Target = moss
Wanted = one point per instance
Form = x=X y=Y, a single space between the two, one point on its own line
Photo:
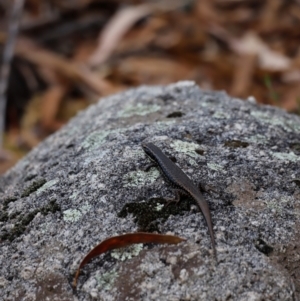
x=52 y=207
x=14 y=215
x=3 y=216
x=20 y=226
x=33 y=187
x=30 y=177
x=8 y=200
x=147 y=215
x=23 y=221
x=29 y=217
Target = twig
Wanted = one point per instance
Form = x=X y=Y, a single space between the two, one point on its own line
x=8 y=54
x=80 y=74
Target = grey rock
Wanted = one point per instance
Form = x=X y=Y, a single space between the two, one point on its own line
x=86 y=183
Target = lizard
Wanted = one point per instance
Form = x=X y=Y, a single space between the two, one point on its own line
x=181 y=182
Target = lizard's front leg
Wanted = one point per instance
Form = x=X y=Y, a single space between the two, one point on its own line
x=176 y=198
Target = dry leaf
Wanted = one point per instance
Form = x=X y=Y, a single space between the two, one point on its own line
x=121 y=241
x=267 y=58
x=121 y=22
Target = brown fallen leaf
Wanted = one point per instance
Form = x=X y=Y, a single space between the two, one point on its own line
x=121 y=241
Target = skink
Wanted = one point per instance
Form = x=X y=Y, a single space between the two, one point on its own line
x=180 y=181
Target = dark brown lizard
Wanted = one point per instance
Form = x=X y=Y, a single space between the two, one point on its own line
x=181 y=182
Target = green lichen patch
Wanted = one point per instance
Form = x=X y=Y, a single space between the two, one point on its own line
x=258 y=139
x=72 y=215
x=34 y=186
x=207 y=104
x=236 y=143
x=159 y=207
x=286 y=156
x=135 y=154
x=274 y=119
x=188 y=148
x=147 y=215
x=221 y=115
x=163 y=125
x=140 y=178
x=24 y=220
x=215 y=166
x=47 y=185
x=85 y=208
x=106 y=280
x=98 y=138
x=138 y=109
x=127 y=252
x=278 y=206
x=74 y=195
x=95 y=139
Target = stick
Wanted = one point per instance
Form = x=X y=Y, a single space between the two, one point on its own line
x=8 y=54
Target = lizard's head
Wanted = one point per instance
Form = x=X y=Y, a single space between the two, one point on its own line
x=149 y=149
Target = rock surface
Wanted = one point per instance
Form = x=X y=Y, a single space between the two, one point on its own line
x=86 y=183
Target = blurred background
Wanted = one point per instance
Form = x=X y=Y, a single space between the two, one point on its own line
x=59 y=56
